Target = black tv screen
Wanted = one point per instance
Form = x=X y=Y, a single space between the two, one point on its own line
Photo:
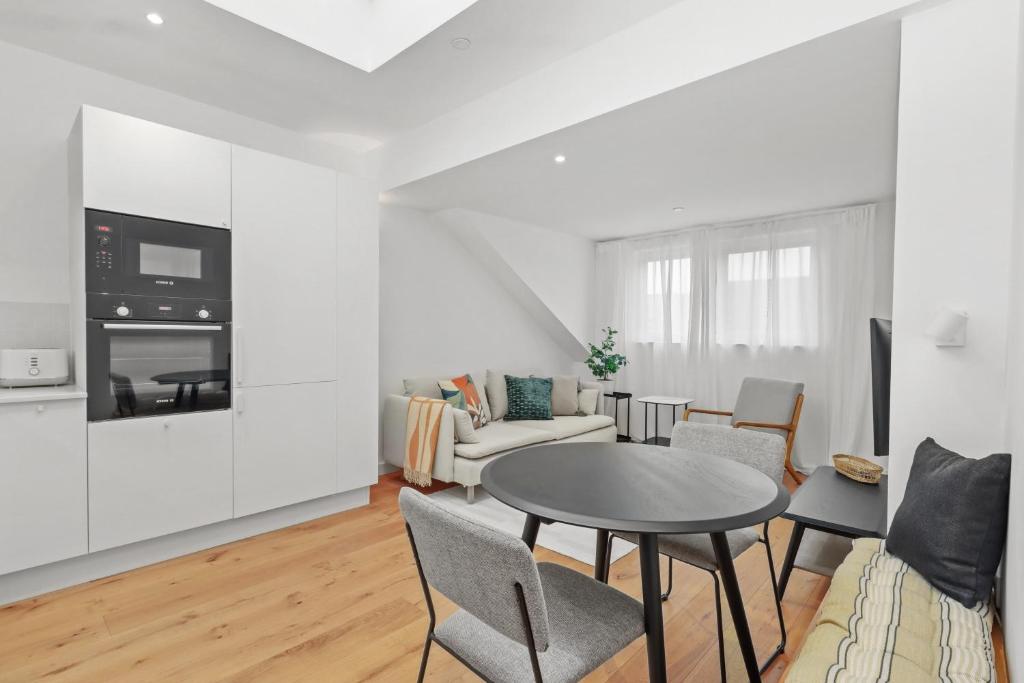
x=881 y=364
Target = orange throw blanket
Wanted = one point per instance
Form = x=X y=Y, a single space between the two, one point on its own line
x=422 y=424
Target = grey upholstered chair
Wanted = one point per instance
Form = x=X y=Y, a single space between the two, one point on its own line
x=519 y=620
x=762 y=451
x=769 y=405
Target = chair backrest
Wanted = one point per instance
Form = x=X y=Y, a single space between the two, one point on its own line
x=760 y=450
x=477 y=567
x=767 y=400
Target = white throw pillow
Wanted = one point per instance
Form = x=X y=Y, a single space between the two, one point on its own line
x=464 y=432
x=588 y=401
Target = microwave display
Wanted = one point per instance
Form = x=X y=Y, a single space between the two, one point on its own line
x=161 y=259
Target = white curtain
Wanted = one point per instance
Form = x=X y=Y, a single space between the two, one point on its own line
x=787 y=297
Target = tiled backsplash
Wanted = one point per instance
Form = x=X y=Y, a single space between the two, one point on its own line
x=33 y=325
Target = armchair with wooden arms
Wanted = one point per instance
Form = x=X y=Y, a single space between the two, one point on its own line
x=770 y=405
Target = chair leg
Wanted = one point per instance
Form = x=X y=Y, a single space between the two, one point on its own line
x=423 y=661
x=797 y=477
x=718 y=618
x=664 y=596
x=778 y=603
x=608 y=559
x=470 y=494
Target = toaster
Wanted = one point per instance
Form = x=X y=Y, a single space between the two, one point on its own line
x=33 y=367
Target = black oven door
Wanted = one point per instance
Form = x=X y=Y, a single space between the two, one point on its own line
x=147 y=257
x=139 y=369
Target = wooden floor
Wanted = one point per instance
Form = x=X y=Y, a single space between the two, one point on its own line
x=336 y=599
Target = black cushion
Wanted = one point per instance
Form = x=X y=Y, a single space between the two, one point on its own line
x=951 y=525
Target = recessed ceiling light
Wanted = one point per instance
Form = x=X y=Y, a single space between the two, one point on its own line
x=461 y=43
x=679 y=209
x=560 y=159
x=155 y=18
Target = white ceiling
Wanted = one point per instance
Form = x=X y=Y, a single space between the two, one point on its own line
x=363 y=33
x=811 y=127
x=213 y=56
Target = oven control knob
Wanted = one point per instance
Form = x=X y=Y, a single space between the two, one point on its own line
x=123 y=311
x=203 y=314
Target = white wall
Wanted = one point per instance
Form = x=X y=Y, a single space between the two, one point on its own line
x=955 y=195
x=443 y=313
x=556 y=266
x=42 y=97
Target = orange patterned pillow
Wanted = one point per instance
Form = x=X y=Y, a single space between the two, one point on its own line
x=462 y=394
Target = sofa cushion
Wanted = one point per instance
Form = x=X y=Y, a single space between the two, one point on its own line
x=465 y=432
x=529 y=398
x=880 y=616
x=565 y=394
x=951 y=525
x=461 y=392
x=588 y=401
x=497 y=394
x=501 y=436
x=422 y=386
x=564 y=426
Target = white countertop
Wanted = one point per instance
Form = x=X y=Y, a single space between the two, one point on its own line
x=37 y=394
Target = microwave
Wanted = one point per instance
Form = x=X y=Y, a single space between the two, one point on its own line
x=144 y=257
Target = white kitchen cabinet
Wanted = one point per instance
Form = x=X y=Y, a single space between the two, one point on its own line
x=358 y=341
x=42 y=483
x=157 y=475
x=285 y=445
x=284 y=270
x=146 y=169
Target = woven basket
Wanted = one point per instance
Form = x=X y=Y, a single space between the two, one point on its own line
x=858 y=469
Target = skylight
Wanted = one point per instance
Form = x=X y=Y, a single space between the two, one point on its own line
x=362 y=33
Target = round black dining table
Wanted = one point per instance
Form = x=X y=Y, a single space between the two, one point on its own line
x=648 y=490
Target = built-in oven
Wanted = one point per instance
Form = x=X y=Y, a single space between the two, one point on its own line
x=152 y=258
x=140 y=368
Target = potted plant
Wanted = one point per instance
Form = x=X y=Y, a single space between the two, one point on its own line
x=604 y=362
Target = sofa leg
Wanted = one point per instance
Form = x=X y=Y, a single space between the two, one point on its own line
x=470 y=494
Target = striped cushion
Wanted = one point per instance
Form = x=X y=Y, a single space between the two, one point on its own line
x=881 y=621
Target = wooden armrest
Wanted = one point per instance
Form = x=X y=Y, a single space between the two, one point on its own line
x=705 y=411
x=763 y=425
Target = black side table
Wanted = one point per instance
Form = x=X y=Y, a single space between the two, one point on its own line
x=672 y=401
x=829 y=502
x=618 y=396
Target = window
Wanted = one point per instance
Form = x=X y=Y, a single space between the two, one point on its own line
x=767 y=298
x=664 y=314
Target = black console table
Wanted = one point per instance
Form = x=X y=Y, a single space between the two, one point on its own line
x=829 y=502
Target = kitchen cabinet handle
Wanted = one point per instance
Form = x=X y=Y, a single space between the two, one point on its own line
x=144 y=326
x=239 y=362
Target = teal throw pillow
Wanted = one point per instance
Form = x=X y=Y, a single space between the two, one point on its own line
x=529 y=398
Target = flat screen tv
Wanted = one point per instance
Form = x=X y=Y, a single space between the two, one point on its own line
x=881 y=364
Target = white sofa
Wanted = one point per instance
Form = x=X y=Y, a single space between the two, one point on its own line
x=462 y=462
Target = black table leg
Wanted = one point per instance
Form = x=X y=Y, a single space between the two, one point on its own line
x=732 y=594
x=600 y=559
x=645 y=421
x=530 y=530
x=650 y=580
x=787 y=564
x=178 y=395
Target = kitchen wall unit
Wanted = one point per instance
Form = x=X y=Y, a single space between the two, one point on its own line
x=146 y=169
x=284 y=270
x=285 y=445
x=42 y=480
x=301 y=438
x=156 y=475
